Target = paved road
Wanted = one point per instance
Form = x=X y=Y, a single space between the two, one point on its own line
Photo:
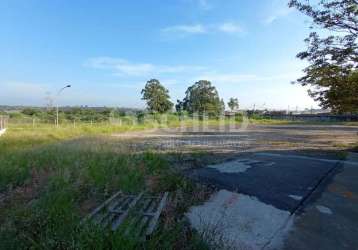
x=321 y=196
x=283 y=181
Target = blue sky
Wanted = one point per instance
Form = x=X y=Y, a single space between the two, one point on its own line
x=108 y=50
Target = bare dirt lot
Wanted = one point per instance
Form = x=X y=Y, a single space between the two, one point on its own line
x=274 y=183
x=253 y=138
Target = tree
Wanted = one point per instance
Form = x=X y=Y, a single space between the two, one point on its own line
x=30 y=111
x=222 y=104
x=202 y=98
x=156 y=96
x=233 y=104
x=179 y=107
x=332 y=73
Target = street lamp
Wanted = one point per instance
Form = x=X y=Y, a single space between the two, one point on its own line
x=58 y=93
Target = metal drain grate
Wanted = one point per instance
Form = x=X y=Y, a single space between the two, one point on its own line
x=140 y=213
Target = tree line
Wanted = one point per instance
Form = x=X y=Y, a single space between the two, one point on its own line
x=84 y=114
x=201 y=98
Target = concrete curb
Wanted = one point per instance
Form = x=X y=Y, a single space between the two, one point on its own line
x=2 y=131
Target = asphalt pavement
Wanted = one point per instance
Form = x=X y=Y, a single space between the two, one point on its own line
x=320 y=196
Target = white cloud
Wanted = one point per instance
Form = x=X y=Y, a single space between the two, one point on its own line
x=238 y=78
x=123 y=67
x=200 y=29
x=120 y=66
x=279 y=13
x=189 y=29
x=230 y=28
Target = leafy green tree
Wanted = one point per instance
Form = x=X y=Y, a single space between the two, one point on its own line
x=332 y=73
x=156 y=96
x=30 y=111
x=179 y=107
x=233 y=104
x=202 y=98
x=140 y=116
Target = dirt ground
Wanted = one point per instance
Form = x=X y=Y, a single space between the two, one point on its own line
x=253 y=138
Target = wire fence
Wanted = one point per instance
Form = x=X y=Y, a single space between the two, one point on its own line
x=38 y=122
x=183 y=122
x=3 y=122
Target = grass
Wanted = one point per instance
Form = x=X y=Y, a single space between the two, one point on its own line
x=20 y=136
x=51 y=177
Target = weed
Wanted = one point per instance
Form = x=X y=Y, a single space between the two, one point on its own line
x=81 y=166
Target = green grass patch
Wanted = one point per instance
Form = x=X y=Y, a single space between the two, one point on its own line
x=48 y=175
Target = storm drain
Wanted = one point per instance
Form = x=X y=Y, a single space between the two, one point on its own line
x=139 y=214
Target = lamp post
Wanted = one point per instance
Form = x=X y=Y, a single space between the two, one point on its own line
x=58 y=93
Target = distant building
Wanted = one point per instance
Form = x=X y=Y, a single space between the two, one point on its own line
x=228 y=113
x=315 y=111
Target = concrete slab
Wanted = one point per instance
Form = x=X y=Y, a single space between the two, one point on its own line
x=283 y=181
x=234 y=221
